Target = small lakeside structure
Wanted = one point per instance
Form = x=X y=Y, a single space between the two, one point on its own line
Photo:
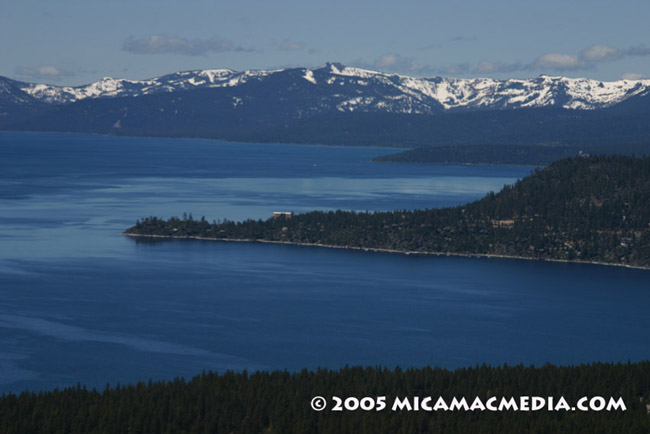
x=285 y=214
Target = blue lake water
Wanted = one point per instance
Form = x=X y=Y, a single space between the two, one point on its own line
x=80 y=303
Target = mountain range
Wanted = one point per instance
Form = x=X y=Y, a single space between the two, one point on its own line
x=335 y=104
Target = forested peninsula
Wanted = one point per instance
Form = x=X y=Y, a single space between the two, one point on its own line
x=588 y=209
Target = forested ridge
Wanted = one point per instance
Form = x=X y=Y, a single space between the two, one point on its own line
x=594 y=209
x=279 y=402
x=532 y=155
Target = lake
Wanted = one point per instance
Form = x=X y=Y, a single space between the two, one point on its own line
x=81 y=303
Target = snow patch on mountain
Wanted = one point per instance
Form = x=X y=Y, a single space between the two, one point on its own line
x=309 y=76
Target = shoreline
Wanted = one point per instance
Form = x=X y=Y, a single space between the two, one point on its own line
x=394 y=251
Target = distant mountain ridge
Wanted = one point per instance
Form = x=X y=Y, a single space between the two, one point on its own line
x=335 y=104
x=401 y=94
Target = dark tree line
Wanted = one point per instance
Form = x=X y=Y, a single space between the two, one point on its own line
x=585 y=208
x=279 y=402
x=533 y=155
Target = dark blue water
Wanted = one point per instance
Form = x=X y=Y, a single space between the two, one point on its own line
x=80 y=303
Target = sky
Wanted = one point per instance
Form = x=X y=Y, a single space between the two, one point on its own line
x=74 y=42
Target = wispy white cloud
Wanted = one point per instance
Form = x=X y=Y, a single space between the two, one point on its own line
x=43 y=72
x=558 y=62
x=585 y=59
x=600 y=53
x=288 y=45
x=486 y=67
x=165 y=44
x=455 y=69
x=633 y=76
x=392 y=62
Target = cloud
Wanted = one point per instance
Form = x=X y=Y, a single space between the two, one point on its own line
x=600 y=53
x=392 y=62
x=43 y=72
x=633 y=76
x=288 y=45
x=559 y=62
x=165 y=44
x=639 y=50
x=486 y=67
x=455 y=69
x=585 y=59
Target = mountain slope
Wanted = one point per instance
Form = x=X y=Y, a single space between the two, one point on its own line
x=16 y=104
x=335 y=104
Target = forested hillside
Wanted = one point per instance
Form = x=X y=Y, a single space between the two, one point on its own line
x=279 y=402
